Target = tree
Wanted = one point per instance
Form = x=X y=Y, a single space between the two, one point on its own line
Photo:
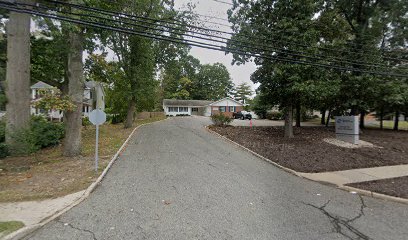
x=75 y=73
x=212 y=82
x=374 y=31
x=18 y=75
x=243 y=92
x=52 y=100
x=138 y=56
x=281 y=82
x=184 y=66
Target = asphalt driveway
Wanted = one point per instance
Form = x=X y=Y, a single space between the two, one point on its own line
x=177 y=181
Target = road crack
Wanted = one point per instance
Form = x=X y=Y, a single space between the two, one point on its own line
x=77 y=228
x=343 y=225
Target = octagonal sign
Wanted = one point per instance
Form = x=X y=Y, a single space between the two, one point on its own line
x=97 y=117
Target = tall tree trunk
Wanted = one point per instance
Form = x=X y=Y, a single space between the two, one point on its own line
x=362 y=116
x=298 y=114
x=323 y=119
x=17 y=76
x=73 y=124
x=396 y=120
x=382 y=119
x=353 y=111
x=289 y=122
x=328 y=117
x=130 y=114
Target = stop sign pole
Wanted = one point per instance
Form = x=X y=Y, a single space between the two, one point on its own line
x=97 y=117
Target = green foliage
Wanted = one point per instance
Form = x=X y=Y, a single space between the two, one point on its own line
x=46 y=133
x=274 y=115
x=26 y=142
x=260 y=106
x=116 y=118
x=86 y=122
x=360 y=32
x=4 y=152
x=53 y=100
x=221 y=120
x=243 y=92
x=41 y=134
x=3 y=101
x=212 y=82
x=2 y=131
x=48 y=55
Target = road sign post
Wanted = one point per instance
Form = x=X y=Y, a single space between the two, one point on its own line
x=97 y=117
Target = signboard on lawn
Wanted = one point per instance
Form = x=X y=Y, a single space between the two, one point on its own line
x=347 y=129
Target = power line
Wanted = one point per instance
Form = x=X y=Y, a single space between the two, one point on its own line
x=240 y=43
x=183 y=24
x=258 y=47
x=188 y=42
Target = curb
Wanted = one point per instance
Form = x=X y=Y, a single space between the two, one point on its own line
x=299 y=174
x=374 y=194
x=29 y=229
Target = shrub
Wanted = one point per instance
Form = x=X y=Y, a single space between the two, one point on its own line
x=2 y=131
x=221 y=120
x=86 y=122
x=3 y=150
x=116 y=118
x=274 y=115
x=25 y=142
x=46 y=133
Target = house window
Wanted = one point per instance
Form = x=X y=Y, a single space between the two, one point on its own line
x=173 y=109
x=183 y=109
x=223 y=108
x=194 y=109
x=232 y=109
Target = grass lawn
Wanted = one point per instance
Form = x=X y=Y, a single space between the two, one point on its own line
x=402 y=125
x=8 y=227
x=48 y=174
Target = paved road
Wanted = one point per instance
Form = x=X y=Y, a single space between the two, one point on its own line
x=178 y=181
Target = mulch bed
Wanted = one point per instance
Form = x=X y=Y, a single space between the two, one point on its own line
x=307 y=152
x=397 y=187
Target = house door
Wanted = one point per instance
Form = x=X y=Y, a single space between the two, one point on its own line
x=194 y=111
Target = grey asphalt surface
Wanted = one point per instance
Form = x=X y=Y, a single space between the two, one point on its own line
x=178 y=181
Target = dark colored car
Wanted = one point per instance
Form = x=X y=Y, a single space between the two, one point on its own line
x=242 y=115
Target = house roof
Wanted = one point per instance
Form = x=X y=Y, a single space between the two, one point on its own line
x=41 y=85
x=190 y=103
x=227 y=98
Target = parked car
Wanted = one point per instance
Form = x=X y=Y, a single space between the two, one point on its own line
x=242 y=115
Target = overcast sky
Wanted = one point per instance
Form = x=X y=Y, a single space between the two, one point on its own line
x=239 y=74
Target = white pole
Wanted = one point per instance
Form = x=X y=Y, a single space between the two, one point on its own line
x=96 y=148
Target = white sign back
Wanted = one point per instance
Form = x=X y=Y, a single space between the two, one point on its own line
x=97 y=117
x=347 y=129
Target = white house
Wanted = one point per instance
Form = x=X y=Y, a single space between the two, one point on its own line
x=227 y=106
x=94 y=97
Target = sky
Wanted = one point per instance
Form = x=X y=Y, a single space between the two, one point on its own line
x=239 y=74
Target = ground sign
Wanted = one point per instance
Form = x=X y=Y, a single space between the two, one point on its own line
x=347 y=129
x=97 y=117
